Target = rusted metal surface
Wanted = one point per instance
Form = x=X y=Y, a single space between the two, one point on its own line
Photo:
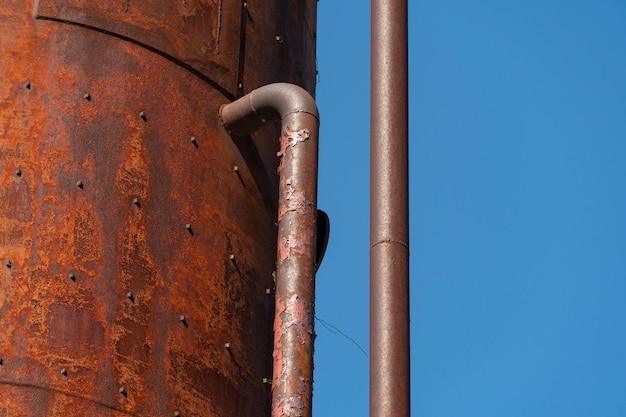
x=279 y=47
x=204 y=35
x=135 y=260
x=389 y=231
x=292 y=384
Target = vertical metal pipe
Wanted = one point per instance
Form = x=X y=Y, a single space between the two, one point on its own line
x=389 y=235
x=292 y=382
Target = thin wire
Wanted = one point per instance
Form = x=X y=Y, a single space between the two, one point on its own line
x=335 y=330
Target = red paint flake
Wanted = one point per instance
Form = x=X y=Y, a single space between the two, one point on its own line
x=291 y=407
x=298 y=314
x=283 y=250
x=290 y=138
x=290 y=247
x=293 y=200
x=278 y=346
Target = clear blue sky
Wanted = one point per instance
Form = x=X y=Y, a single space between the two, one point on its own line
x=518 y=208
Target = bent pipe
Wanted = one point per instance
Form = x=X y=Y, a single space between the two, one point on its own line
x=292 y=381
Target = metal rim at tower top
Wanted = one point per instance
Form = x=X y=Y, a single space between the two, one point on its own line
x=137 y=237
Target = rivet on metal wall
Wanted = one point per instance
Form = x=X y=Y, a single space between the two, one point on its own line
x=87 y=96
x=227 y=346
x=63 y=371
x=231 y=257
x=143 y=116
x=236 y=169
x=72 y=277
x=18 y=172
x=189 y=229
x=80 y=184
x=267 y=380
x=194 y=141
x=183 y=320
x=176 y=413
x=8 y=264
x=136 y=202
x=122 y=391
x=279 y=38
x=268 y=291
x=130 y=297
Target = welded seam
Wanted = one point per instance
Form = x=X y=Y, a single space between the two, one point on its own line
x=68 y=394
x=301 y=111
x=393 y=241
x=165 y=55
x=219 y=28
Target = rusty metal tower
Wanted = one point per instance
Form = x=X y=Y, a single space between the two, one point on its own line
x=137 y=234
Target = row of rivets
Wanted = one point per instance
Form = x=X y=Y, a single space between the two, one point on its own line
x=136 y=202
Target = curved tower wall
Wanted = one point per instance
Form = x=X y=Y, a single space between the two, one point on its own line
x=137 y=239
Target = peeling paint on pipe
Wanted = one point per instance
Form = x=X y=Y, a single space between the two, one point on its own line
x=292 y=382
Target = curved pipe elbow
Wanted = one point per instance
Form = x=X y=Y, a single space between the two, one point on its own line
x=266 y=104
